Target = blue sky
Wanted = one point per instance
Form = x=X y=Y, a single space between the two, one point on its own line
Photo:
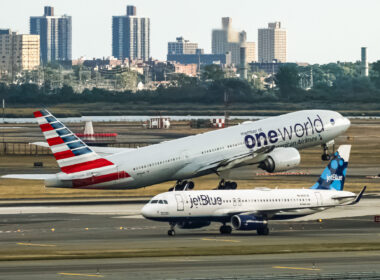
x=319 y=31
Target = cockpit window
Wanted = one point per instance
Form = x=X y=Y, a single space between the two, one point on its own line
x=165 y=201
x=160 y=202
x=153 y=201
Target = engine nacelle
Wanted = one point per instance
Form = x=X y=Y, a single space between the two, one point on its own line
x=248 y=222
x=281 y=159
x=193 y=224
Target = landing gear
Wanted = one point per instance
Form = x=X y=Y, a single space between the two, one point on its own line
x=225 y=229
x=326 y=155
x=171 y=231
x=263 y=231
x=226 y=185
x=182 y=185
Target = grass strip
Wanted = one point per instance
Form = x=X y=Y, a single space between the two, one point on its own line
x=58 y=254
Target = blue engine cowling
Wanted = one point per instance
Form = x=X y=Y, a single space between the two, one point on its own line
x=193 y=224
x=248 y=222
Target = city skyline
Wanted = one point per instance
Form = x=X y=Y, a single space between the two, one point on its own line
x=315 y=34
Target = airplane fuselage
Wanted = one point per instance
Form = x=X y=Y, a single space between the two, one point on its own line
x=220 y=205
x=200 y=154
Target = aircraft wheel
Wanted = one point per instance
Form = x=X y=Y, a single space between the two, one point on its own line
x=326 y=157
x=263 y=231
x=225 y=229
x=171 y=232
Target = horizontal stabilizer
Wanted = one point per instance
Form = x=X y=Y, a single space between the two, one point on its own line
x=101 y=151
x=30 y=176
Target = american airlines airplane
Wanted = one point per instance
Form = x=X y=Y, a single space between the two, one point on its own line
x=251 y=209
x=271 y=143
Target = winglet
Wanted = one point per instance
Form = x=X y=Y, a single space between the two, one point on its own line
x=357 y=199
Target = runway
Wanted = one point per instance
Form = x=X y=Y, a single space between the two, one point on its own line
x=129 y=247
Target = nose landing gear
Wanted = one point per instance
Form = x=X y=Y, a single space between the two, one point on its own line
x=326 y=155
x=171 y=231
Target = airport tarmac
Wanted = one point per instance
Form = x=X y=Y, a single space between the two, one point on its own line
x=111 y=231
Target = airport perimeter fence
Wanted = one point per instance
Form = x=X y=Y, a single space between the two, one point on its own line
x=25 y=149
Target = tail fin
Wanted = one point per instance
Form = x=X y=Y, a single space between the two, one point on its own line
x=334 y=175
x=71 y=153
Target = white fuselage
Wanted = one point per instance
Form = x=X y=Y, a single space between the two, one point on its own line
x=197 y=155
x=220 y=205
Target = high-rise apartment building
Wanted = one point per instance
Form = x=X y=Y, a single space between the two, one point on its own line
x=18 y=51
x=55 y=35
x=131 y=36
x=228 y=40
x=272 y=43
x=182 y=46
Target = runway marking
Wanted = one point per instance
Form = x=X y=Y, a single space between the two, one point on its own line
x=35 y=244
x=80 y=274
x=221 y=240
x=298 y=268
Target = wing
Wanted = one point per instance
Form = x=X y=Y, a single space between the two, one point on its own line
x=270 y=213
x=102 y=151
x=251 y=157
x=29 y=176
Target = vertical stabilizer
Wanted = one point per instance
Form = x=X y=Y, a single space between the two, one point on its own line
x=72 y=154
x=334 y=175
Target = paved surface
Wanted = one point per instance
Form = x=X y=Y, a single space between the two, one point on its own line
x=119 y=227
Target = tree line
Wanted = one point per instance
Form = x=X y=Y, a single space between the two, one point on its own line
x=334 y=82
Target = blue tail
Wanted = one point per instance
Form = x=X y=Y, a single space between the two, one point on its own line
x=334 y=175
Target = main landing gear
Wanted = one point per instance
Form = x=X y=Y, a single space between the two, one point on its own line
x=224 y=229
x=263 y=231
x=171 y=231
x=182 y=185
x=226 y=185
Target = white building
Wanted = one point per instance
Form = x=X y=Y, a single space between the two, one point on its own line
x=182 y=46
x=18 y=51
x=228 y=40
x=272 y=43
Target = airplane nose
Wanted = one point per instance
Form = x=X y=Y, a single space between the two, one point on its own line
x=145 y=211
x=346 y=123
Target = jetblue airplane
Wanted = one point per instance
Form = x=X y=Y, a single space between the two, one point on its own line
x=251 y=209
x=271 y=143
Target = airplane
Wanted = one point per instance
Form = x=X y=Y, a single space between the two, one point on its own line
x=270 y=143
x=251 y=209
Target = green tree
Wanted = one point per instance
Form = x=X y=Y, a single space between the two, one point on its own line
x=375 y=73
x=287 y=79
x=212 y=72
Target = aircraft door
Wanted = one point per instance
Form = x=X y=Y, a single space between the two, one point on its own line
x=180 y=204
x=319 y=198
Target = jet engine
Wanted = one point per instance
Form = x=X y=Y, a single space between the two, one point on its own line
x=248 y=222
x=281 y=159
x=193 y=224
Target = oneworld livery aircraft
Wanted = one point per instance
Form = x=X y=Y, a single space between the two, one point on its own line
x=271 y=143
x=251 y=209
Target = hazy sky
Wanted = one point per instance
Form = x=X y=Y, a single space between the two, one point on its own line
x=319 y=31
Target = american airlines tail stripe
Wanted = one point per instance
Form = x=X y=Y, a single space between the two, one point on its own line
x=100 y=179
x=51 y=119
x=64 y=154
x=101 y=162
x=77 y=159
x=55 y=141
x=37 y=114
x=46 y=127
